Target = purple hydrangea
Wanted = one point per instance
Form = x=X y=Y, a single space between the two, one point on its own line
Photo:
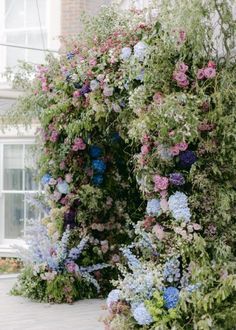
x=176 y=179
x=187 y=158
x=171 y=297
x=85 y=89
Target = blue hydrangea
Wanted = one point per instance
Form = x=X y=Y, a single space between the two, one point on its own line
x=95 y=151
x=171 y=297
x=171 y=271
x=97 y=180
x=133 y=262
x=140 y=50
x=99 y=166
x=45 y=179
x=113 y=297
x=125 y=53
x=63 y=187
x=141 y=315
x=153 y=207
x=178 y=205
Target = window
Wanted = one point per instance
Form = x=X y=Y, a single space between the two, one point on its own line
x=18 y=174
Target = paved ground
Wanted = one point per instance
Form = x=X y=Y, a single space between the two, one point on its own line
x=17 y=313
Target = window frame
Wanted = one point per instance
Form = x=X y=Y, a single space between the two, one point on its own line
x=12 y=141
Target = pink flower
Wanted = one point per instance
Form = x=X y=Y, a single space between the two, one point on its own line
x=182 y=67
x=158 y=231
x=200 y=74
x=182 y=146
x=158 y=98
x=79 y=144
x=161 y=182
x=182 y=36
x=68 y=178
x=76 y=94
x=104 y=246
x=54 y=136
x=174 y=150
x=211 y=64
x=72 y=267
x=62 y=165
x=210 y=72
x=164 y=204
x=181 y=78
x=93 y=62
x=146 y=138
x=145 y=149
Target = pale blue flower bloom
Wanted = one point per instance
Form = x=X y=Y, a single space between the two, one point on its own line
x=94 y=85
x=113 y=297
x=125 y=53
x=140 y=50
x=153 y=207
x=178 y=205
x=141 y=315
x=63 y=187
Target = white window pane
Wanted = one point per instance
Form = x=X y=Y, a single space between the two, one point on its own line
x=14 y=215
x=32 y=13
x=30 y=169
x=15 y=54
x=37 y=40
x=32 y=212
x=14 y=14
x=13 y=167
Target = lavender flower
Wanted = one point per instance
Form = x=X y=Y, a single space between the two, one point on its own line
x=75 y=252
x=46 y=178
x=140 y=50
x=176 y=179
x=125 y=53
x=85 y=89
x=94 y=85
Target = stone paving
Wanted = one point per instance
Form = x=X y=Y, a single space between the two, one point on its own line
x=17 y=313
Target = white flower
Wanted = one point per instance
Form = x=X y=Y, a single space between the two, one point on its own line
x=153 y=207
x=108 y=91
x=94 y=84
x=140 y=50
x=125 y=53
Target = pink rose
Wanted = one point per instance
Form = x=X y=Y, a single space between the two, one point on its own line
x=145 y=149
x=182 y=146
x=76 y=94
x=181 y=78
x=158 y=98
x=209 y=72
x=174 y=150
x=200 y=74
x=182 y=67
x=211 y=64
x=161 y=182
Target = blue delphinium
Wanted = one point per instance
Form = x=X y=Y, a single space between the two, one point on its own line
x=97 y=180
x=45 y=179
x=171 y=297
x=113 y=297
x=133 y=262
x=63 y=187
x=187 y=158
x=178 y=205
x=99 y=166
x=141 y=315
x=171 y=271
x=176 y=179
x=153 y=207
x=95 y=151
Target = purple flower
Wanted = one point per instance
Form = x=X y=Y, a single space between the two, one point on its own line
x=70 y=55
x=176 y=179
x=187 y=158
x=54 y=136
x=210 y=72
x=85 y=89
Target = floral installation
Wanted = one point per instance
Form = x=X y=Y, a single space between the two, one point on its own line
x=146 y=100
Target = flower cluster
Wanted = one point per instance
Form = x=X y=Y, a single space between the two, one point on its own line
x=178 y=205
